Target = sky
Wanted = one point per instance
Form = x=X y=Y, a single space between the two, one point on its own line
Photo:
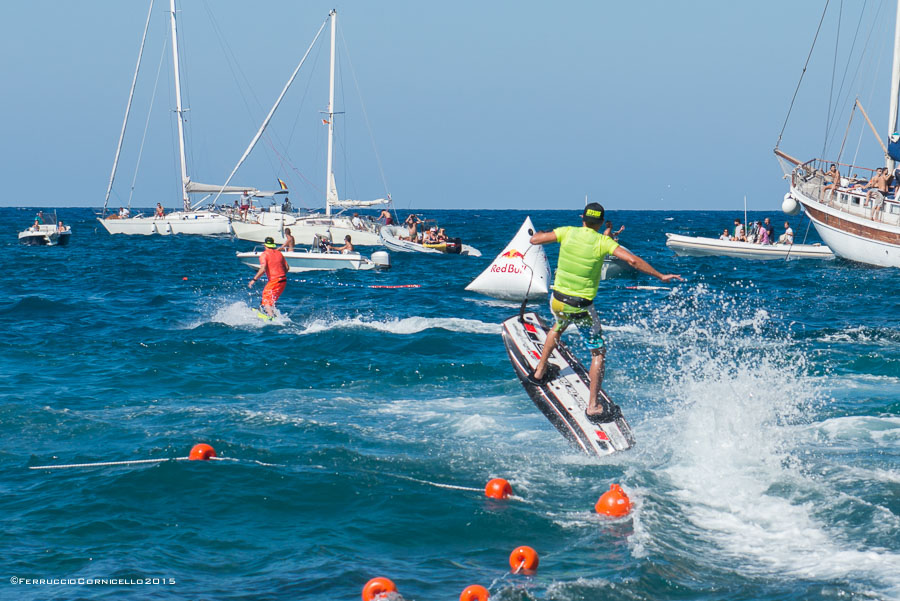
x=647 y=105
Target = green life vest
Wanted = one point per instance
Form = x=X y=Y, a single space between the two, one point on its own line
x=581 y=254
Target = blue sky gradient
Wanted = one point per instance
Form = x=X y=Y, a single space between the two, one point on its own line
x=500 y=105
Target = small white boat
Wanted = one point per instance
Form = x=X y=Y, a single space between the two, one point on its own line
x=696 y=246
x=46 y=234
x=614 y=267
x=391 y=237
x=316 y=260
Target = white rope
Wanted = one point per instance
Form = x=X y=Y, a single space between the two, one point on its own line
x=106 y=463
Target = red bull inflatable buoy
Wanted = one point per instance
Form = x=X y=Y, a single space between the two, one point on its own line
x=519 y=270
x=614 y=502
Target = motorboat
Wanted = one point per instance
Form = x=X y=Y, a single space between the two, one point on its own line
x=392 y=236
x=316 y=259
x=698 y=246
x=46 y=231
x=189 y=219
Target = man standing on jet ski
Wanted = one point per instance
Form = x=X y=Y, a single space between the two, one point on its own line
x=581 y=253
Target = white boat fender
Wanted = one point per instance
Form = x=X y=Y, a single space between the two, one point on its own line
x=790 y=205
x=381 y=259
x=519 y=273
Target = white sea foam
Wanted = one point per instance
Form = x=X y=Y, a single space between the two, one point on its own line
x=240 y=315
x=731 y=459
x=405 y=326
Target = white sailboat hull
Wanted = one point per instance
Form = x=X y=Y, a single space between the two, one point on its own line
x=851 y=234
x=200 y=223
x=304 y=230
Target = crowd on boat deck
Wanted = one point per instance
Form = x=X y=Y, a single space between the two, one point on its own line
x=432 y=235
x=758 y=233
x=881 y=185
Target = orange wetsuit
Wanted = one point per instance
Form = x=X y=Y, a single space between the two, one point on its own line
x=276 y=272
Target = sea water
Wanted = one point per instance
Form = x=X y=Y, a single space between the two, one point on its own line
x=361 y=426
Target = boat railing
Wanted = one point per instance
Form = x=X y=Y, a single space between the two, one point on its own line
x=850 y=197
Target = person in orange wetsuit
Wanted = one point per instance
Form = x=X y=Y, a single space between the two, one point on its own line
x=273 y=264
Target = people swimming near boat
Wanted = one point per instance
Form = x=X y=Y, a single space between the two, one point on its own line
x=346 y=249
x=273 y=264
x=581 y=254
x=788 y=236
x=289 y=241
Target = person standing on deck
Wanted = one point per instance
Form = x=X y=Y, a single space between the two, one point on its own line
x=581 y=253
x=273 y=264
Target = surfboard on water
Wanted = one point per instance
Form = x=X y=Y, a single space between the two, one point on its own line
x=564 y=398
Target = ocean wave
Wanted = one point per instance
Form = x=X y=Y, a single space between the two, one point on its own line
x=404 y=326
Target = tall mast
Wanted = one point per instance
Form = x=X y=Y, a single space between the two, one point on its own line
x=895 y=84
x=329 y=175
x=178 y=109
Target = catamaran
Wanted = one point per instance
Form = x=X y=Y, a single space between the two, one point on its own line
x=856 y=222
x=306 y=228
x=189 y=219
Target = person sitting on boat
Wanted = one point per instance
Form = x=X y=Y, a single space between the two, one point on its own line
x=346 y=249
x=356 y=222
x=124 y=213
x=430 y=236
x=725 y=235
x=160 y=212
x=581 y=254
x=289 y=241
x=273 y=264
x=770 y=229
x=612 y=234
x=442 y=235
x=412 y=224
x=788 y=236
x=877 y=192
x=831 y=184
x=286 y=205
x=739 y=235
x=36 y=227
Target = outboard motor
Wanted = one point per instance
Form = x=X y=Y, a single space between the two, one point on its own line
x=381 y=259
x=454 y=246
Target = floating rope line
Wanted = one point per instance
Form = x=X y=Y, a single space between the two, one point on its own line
x=106 y=463
x=350 y=285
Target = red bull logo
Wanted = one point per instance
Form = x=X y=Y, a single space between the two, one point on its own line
x=513 y=254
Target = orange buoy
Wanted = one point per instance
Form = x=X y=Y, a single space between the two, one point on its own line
x=184 y=278
x=523 y=560
x=498 y=488
x=376 y=587
x=613 y=502
x=475 y=592
x=202 y=452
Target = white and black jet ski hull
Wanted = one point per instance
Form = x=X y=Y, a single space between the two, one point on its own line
x=563 y=399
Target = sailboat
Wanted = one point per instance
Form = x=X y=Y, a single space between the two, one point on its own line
x=189 y=219
x=308 y=228
x=857 y=224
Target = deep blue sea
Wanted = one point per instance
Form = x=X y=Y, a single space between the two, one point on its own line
x=361 y=427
